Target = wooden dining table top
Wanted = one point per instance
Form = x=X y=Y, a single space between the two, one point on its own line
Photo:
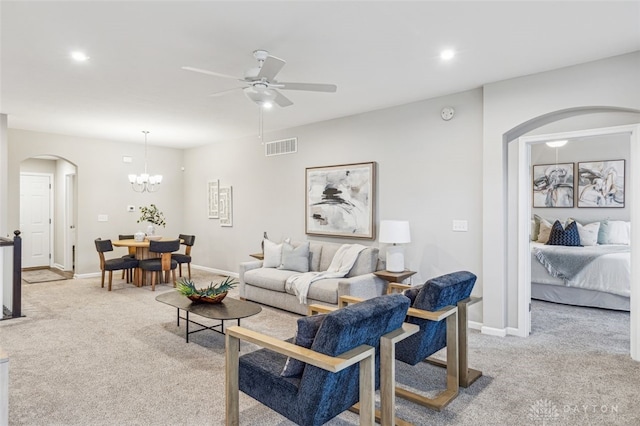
x=143 y=244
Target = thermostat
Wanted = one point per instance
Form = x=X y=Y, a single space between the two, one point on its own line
x=447 y=113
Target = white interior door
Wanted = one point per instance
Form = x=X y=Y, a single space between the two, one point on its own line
x=35 y=219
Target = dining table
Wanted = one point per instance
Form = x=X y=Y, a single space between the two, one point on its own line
x=141 y=252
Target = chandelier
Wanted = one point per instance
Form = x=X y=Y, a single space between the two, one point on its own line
x=144 y=182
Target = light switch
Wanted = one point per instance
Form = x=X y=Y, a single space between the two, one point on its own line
x=103 y=218
x=460 y=226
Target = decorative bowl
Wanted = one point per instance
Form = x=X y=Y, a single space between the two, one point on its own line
x=215 y=299
x=154 y=237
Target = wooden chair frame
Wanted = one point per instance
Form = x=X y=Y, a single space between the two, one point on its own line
x=467 y=375
x=450 y=314
x=363 y=355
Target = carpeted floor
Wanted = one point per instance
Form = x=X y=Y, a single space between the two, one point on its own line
x=85 y=356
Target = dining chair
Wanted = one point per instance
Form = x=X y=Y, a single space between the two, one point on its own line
x=132 y=255
x=164 y=263
x=116 y=264
x=188 y=241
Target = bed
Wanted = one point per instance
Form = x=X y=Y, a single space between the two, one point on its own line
x=603 y=282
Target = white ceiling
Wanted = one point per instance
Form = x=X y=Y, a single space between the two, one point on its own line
x=379 y=54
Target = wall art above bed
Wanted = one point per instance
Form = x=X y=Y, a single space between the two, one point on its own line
x=553 y=185
x=340 y=200
x=601 y=184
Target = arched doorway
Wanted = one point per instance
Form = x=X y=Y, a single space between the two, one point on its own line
x=520 y=231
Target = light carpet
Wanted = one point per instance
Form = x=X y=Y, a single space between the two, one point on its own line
x=86 y=356
x=41 y=276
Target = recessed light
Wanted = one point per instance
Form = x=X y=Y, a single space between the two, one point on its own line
x=556 y=144
x=447 y=54
x=79 y=56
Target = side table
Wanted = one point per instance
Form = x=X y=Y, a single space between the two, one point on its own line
x=394 y=277
x=259 y=256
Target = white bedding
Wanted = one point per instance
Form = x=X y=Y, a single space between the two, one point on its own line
x=610 y=273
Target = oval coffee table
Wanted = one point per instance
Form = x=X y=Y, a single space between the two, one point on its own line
x=228 y=309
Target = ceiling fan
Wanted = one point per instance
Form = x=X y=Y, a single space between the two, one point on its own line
x=260 y=84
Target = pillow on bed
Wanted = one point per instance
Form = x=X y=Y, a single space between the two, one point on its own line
x=618 y=232
x=568 y=236
x=588 y=233
x=544 y=231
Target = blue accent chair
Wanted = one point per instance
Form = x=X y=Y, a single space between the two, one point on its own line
x=340 y=366
x=431 y=304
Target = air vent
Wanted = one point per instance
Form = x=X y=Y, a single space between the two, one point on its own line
x=284 y=146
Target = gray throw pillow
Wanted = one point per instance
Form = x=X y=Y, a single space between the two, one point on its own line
x=295 y=258
x=307 y=329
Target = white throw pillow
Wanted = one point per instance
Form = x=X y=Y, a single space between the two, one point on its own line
x=619 y=232
x=588 y=233
x=272 y=254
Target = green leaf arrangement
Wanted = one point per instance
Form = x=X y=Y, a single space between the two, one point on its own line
x=186 y=287
x=151 y=214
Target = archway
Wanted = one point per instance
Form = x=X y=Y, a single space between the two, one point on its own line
x=520 y=232
x=63 y=207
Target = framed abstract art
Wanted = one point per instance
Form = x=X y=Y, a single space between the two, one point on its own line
x=340 y=200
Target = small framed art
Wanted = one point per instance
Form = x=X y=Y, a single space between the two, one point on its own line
x=553 y=185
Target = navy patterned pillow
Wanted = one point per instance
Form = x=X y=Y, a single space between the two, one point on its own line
x=307 y=329
x=568 y=236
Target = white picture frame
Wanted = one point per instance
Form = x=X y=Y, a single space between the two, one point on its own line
x=225 y=200
x=213 y=199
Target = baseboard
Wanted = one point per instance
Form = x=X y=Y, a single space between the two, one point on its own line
x=511 y=331
x=215 y=271
x=89 y=275
x=474 y=325
x=491 y=331
x=58 y=266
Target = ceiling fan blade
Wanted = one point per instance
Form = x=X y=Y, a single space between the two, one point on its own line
x=224 y=92
x=270 y=67
x=282 y=100
x=308 y=86
x=216 y=74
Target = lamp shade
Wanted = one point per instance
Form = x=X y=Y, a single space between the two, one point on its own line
x=394 y=232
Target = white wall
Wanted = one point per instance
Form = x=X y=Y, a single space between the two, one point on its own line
x=102 y=186
x=507 y=104
x=427 y=174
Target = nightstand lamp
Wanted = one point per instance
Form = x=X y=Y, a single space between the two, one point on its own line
x=395 y=232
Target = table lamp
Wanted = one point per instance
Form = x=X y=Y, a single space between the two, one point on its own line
x=395 y=232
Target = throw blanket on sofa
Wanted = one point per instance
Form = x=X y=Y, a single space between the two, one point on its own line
x=340 y=266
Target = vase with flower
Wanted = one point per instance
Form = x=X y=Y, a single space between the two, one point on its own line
x=153 y=217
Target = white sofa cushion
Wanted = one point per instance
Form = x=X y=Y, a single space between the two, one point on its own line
x=268 y=278
x=322 y=290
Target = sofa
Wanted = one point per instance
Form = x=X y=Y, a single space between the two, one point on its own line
x=266 y=285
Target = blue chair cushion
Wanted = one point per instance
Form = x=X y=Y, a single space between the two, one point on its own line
x=319 y=395
x=155 y=264
x=435 y=294
x=307 y=329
